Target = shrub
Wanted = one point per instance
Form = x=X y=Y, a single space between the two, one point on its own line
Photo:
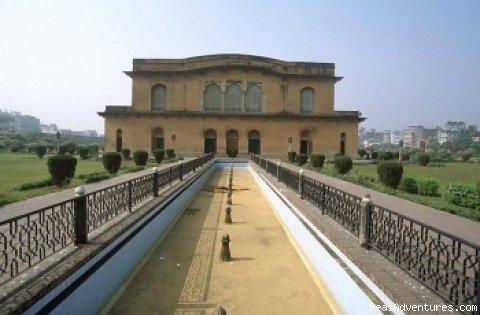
x=61 y=168
x=385 y=156
x=158 y=154
x=170 y=153
x=112 y=161
x=462 y=195
x=140 y=157
x=427 y=187
x=291 y=156
x=126 y=154
x=83 y=152
x=62 y=149
x=365 y=180
x=301 y=159
x=478 y=190
x=50 y=147
x=15 y=148
x=423 y=159
x=317 y=160
x=337 y=154
x=4 y=200
x=135 y=169
x=40 y=150
x=409 y=185
x=467 y=155
x=374 y=155
x=343 y=164
x=34 y=184
x=362 y=153
x=436 y=165
x=390 y=173
x=406 y=156
x=93 y=150
x=94 y=177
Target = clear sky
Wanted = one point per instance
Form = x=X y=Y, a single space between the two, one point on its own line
x=404 y=62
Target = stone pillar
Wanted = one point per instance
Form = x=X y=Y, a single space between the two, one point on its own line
x=219 y=311
x=300 y=183
x=225 y=252
x=365 y=218
x=228 y=216
x=80 y=216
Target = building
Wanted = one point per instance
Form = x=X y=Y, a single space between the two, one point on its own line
x=232 y=104
x=418 y=136
x=16 y=122
x=50 y=129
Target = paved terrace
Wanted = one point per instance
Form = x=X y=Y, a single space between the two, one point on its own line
x=184 y=274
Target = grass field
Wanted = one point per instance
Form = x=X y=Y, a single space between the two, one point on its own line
x=19 y=168
x=455 y=173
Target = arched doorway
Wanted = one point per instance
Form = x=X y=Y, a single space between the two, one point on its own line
x=232 y=143
x=119 y=140
x=306 y=143
x=158 y=141
x=254 y=142
x=343 y=138
x=210 y=141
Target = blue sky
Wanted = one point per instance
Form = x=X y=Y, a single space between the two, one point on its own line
x=404 y=62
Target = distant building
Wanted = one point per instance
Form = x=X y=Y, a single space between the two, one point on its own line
x=16 y=122
x=49 y=129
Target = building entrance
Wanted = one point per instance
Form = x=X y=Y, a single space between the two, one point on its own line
x=210 y=141
x=254 y=142
x=232 y=143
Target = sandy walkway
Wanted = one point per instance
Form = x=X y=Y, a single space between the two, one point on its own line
x=184 y=274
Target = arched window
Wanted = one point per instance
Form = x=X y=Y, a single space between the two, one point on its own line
x=212 y=98
x=306 y=101
x=158 y=141
x=119 y=140
x=159 y=93
x=253 y=99
x=233 y=99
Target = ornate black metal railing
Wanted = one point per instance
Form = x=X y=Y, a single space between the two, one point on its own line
x=28 y=239
x=447 y=264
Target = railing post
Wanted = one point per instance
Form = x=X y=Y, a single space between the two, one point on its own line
x=278 y=170
x=365 y=217
x=322 y=197
x=181 y=171
x=300 y=183
x=193 y=165
x=266 y=166
x=80 y=216
x=130 y=195
x=170 y=176
x=155 y=182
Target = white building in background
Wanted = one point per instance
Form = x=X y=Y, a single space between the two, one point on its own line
x=49 y=129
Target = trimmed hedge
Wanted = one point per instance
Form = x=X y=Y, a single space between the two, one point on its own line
x=390 y=173
x=111 y=162
x=317 y=160
x=126 y=154
x=427 y=187
x=34 y=184
x=94 y=177
x=170 y=153
x=478 y=190
x=40 y=150
x=140 y=157
x=343 y=164
x=158 y=154
x=83 y=152
x=301 y=159
x=291 y=156
x=423 y=159
x=61 y=168
x=409 y=185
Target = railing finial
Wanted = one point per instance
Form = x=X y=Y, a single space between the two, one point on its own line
x=79 y=191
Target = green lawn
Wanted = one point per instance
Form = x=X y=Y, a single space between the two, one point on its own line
x=18 y=168
x=455 y=173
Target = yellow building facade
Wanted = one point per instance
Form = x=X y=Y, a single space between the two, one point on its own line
x=232 y=105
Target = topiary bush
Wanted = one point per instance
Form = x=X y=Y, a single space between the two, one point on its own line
x=40 y=150
x=15 y=148
x=427 y=187
x=462 y=195
x=83 y=152
x=291 y=156
x=62 y=149
x=61 y=168
x=301 y=159
x=158 y=154
x=140 y=157
x=466 y=155
x=374 y=155
x=408 y=185
x=170 y=153
x=111 y=162
x=317 y=160
x=93 y=151
x=390 y=173
x=126 y=154
x=423 y=159
x=362 y=153
x=343 y=164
